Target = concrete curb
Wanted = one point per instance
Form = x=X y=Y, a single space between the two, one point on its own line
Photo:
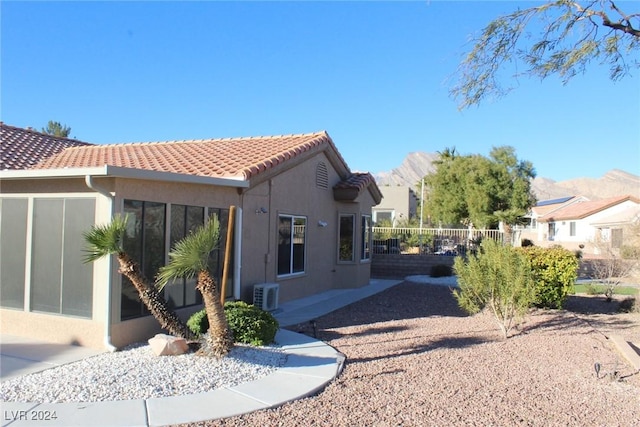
x=627 y=351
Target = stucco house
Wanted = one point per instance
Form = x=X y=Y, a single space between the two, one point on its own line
x=576 y=222
x=303 y=221
x=398 y=203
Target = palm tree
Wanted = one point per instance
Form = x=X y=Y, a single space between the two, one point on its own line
x=104 y=240
x=188 y=258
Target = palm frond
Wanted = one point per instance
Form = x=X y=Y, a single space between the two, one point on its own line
x=190 y=255
x=105 y=239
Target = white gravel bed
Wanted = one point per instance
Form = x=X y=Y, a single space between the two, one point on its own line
x=137 y=373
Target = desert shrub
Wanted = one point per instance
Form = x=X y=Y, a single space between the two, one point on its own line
x=556 y=271
x=441 y=270
x=198 y=322
x=630 y=252
x=498 y=277
x=249 y=324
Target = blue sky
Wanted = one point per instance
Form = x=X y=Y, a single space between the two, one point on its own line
x=375 y=75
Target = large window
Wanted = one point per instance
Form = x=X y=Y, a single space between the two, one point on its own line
x=144 y=242
x=291 y=244
x=365 y=234
x=184 y=220
x=60 y=281
x=346 y=237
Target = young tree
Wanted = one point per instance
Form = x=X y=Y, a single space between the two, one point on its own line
x=558 y=37
x=498 y=277
x=57 y=129
x=479 y=190
x=190 y=257
x=104 y=240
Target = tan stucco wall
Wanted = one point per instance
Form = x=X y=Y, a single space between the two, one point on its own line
x=53 y=328
x=295 y=192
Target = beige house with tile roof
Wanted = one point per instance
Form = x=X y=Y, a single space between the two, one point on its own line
x=576 y=222
x=302 y=219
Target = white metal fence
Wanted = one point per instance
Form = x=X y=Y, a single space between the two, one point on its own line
x=438 y=241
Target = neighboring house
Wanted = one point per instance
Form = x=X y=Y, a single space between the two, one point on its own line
x=303 y=221
x=536 y=232
x=613 y=229
x=24 y=148
x=398 y=203
x=577 y=225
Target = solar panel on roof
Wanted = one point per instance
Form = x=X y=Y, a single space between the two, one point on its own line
x=554 y=201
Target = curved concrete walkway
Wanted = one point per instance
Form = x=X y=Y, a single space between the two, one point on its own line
x=310 y=366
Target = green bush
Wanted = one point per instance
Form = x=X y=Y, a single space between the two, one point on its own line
x=498 y=277
x=556 y=271
x=249 y=324
x=441 y=270
x=198 y=322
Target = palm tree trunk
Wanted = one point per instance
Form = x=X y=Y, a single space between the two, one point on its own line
x=152 y=299
x=220 y=335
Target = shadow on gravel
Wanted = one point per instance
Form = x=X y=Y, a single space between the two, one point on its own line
x=592 y=304
x=402 y=302
x=443 y=343
x=572 y=320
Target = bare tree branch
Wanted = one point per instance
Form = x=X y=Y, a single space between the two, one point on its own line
x=567 y=41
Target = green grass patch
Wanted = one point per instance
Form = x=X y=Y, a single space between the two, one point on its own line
x=597 y=289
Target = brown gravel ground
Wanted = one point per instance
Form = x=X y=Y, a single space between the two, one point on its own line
x=415 y=359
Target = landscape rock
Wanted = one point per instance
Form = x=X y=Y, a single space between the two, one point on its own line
x=168 y=345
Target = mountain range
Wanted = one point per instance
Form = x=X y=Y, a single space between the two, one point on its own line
x=615 y=182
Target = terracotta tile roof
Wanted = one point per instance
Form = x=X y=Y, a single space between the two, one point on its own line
x=229 y=157
x=23 y=148
x=349 y=189
x=584 y=209
x=358 y=181
x=546 y=206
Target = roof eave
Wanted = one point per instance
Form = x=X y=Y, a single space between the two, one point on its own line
x=120 y=172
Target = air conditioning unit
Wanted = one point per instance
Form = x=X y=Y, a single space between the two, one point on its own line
x=265 y=296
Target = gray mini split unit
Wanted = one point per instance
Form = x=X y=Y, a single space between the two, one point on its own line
x=265 y=296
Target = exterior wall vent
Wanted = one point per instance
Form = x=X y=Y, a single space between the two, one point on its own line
x=265 y=296
x=322 y=176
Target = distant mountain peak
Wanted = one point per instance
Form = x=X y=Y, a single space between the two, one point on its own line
x=615 y=182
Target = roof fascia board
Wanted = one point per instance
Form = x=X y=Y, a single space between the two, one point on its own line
x=120 y=172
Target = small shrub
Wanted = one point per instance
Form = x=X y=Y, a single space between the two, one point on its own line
x=249 y=324
x=441 y=270
x=526 y=243
x=556 y=271
x=498 y=277
x=198 y=322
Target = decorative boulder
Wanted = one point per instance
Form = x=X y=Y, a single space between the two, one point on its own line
x=168 y=345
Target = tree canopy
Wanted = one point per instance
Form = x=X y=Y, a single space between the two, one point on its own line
x=559 y=37
x=480 y=190
x=57 y=129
